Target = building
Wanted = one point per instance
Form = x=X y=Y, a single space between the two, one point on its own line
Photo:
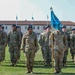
x=38 y=26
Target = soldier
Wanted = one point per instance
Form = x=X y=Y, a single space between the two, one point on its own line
x=45 y=45
x=41 y=43
x=29 y=42
x=21 y=34
x=57 y=43
x=5 y=44
x=2 y=44
x=72 y=45
x=13 y=39
x=67 y=35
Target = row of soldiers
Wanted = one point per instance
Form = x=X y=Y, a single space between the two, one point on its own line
x=13 y=39
x=55 y=44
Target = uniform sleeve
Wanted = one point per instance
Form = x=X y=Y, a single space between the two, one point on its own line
x=23 y=42
x=8 y=38
x=40 y=40
x=65 y=41
x=68 y=40
x=36 y=44
x=51 y=39
x=5 y=38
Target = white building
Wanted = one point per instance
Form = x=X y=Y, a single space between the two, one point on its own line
x=38 y=26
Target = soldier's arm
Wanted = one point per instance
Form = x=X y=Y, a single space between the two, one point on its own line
x=36 y=43
x=40 y=40
x=65 y=41
x=51 y=40
x=23 y=42
x=68 y=40
x=19 y=38
x=8 y=37
x=5 y=38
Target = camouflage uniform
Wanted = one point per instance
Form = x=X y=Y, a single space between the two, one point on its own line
x=72 y=45
x=13 y=39
x=41 y=44
x=46 y=47
x=2 y=47
x=19 y=46
x=67 y=35
x=57 y=42
x=5 y=43
x=30 y=45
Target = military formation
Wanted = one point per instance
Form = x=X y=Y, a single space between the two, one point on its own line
x=54 y=45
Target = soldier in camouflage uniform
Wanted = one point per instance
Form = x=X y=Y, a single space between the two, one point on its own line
x=57 y=43
x=67 y=35
x=2 y=44
x=30 y=45
x=21 y=34
x=5 y=44
x=72 y=44
x=47 y=50
x=13 y=39
x=41 y=43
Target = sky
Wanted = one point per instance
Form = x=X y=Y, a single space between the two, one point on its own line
x=39 y=9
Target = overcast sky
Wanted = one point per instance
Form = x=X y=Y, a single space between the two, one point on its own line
x=25 y=9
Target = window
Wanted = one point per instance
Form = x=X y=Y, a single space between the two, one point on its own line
x=25 y=27
x=43 y=27
x=6 y=27
x=34 y=27
x=38 y=27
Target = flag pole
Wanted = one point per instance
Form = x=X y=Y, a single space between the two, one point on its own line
x=32 y=19
x=52 y=50
x=16 y=20
x=47 y=19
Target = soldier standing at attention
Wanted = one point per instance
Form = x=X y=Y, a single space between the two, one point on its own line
x=13 y=39
x=21 y=34
x=30 y=45
x=67 y=35
x=72 y=44
x=2 y=42
x=47 y=50
x=5 y=39
x=41 y=43
x=57 y=43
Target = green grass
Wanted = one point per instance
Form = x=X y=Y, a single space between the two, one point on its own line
x=39 y=68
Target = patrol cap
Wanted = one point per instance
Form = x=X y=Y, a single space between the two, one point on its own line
x=2 y=26
x=73 y=29
x=30 y=26
x=45 y=28
x=63 y=27
x=48 y=26
x=13 y=25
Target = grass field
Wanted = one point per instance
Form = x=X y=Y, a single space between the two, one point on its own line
x=39 y=68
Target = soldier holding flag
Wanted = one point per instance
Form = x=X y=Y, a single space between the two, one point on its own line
x=57 y=43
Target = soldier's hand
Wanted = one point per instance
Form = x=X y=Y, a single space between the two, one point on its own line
x=21 y=49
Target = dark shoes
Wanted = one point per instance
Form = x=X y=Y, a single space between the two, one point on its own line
x=13 y=64
x=58 y=72
x=29 y=73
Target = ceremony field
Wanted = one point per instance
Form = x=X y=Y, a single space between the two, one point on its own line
x=39 y=68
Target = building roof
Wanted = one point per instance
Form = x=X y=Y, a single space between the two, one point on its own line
x=67 y=23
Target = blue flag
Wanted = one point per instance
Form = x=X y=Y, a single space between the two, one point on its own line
x=55 y=21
